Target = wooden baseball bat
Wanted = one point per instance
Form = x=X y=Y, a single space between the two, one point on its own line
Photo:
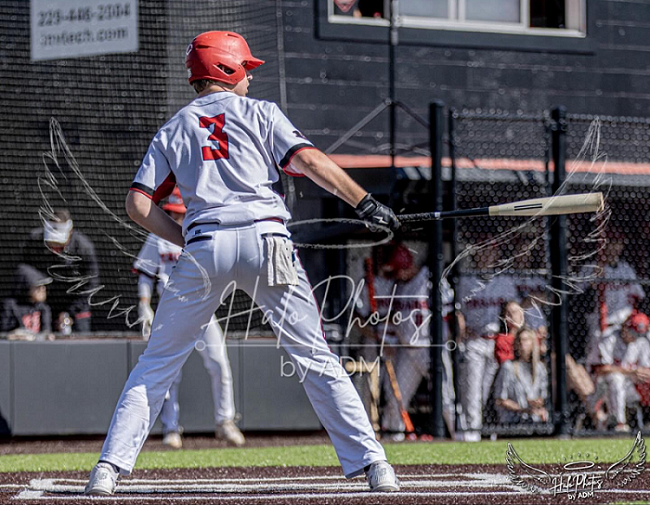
x=549 y=206
x=408 y=425
x=370 y=282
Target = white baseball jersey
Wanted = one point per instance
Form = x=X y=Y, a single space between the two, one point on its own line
x=412 y=303
x=619 y=296
x=383 y=289
x=533 y=286
x=482 y=300
x=609 y=349
x=637 y=354
x=408 y=302
x=222 y=151
x=156 y=260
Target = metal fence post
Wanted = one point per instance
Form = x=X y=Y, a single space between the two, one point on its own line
x=560 y=312
x=453 y=280
x=436 y=133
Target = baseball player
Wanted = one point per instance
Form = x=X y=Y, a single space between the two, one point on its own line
x=408 y=298
x=620 y=359
x=482 y=298
x=222 y=151
x=621 y=294
x=154 y=265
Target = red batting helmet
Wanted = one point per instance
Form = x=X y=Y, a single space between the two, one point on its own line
x=638 y=322
x=175 y=202
x=211 y=52
x=401 y=259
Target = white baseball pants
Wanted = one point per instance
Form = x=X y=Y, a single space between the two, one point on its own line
x=620 y=393
x=479 y=370
x=212 y=348
x=411 y=366
x=225 y=258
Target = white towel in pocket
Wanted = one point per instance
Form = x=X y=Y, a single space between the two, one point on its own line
x=280 y=260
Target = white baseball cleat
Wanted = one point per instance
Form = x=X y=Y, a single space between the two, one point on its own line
x=103 y=480
x=472 y=436
x=229 y=432
x=173 y=439
x=381 y=477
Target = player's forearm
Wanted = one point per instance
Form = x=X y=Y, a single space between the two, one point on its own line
x=145 y=288
x=509 y=405
x=153 y=219
x=328 y=175
x=607 y=369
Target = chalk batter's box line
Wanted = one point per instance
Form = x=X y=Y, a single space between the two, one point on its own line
x=253 y=479
x=38 y=496
x=166 y=489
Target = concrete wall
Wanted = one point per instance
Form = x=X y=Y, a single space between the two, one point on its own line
x=5 y=388
x=66 y=388
x=71 y=387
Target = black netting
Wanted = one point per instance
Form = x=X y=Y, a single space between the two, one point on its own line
x=607 y=154
x=502 y=158
x=502 y=270
x=74 y=131
x=388 y=336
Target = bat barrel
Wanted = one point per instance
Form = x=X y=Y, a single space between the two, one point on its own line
x=551 y=206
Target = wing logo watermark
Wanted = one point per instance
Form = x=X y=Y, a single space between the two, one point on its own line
x=579 y=479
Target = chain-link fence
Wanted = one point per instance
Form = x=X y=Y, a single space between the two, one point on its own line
x=504 y=266
x=503 y=377
x=607 y=257
x=75 y=129
x=501 y=274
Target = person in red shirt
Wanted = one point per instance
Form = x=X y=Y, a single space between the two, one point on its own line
x=511 y=320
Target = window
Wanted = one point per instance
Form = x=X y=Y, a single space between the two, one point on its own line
x=530 y=17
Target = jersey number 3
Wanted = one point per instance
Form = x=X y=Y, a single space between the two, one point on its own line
x=218 y=135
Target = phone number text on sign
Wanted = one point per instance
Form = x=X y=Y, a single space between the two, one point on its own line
x=103 y=12
x=70 y=28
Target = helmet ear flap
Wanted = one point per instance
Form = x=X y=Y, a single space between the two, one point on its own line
x=219 y=56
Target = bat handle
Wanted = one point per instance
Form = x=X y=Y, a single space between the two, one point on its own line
x=422 y=216
x=435 y=216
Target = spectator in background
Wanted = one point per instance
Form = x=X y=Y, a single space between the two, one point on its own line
x=532 y=279
x=620 y=360
x=26 y=314
x=359 y=8
x=482 y=295
x=521 y=386
x=68 y=256
x=512 y=320
x=616 y=291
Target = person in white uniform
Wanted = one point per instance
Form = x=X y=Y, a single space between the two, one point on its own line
x=482 y=297
x=154 y=266
x=619 y=294
x=223 y=150
x=408 y=295
x=620 y=359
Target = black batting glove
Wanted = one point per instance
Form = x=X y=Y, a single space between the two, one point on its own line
x=373 y=212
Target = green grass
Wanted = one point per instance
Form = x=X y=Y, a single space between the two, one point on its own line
x=536 y=451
